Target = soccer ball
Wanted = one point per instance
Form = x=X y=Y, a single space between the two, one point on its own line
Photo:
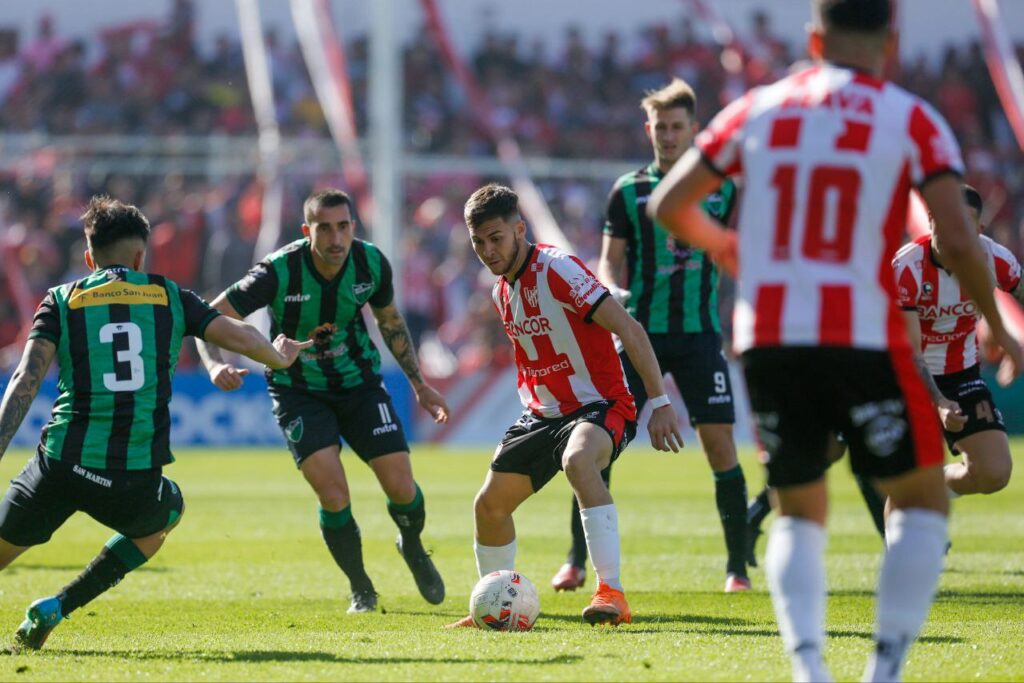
x=504 y=601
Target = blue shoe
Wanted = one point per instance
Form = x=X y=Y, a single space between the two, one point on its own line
x=41 y=617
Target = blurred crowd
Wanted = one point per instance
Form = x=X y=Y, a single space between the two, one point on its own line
x=571 y=98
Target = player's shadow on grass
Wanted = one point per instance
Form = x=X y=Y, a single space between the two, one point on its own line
x=258 y=656
x=29 y=567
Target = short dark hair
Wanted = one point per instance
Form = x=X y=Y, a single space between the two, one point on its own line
x=108 y=221
x=490 y=201
x=677 y=93
x=860 y=16
x=972 y=197
x=325 y=198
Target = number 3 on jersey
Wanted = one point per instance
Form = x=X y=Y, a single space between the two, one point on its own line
x=126 y=339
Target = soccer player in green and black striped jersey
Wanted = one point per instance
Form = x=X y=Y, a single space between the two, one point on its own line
x=671 y=288
x=316 y=288
x=116 y=335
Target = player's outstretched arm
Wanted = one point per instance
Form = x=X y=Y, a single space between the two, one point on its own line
x=225 y=376
x=676 y=204
x=957 y=243
x=663 y=426
x=24 y=386
x=235 y=335
x=398 y=340
x=953 y=419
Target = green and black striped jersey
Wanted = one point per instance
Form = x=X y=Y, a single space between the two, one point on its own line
x=118 y=334
x=304 y=305
x=674 y=286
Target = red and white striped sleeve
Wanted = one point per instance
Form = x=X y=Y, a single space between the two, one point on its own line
x=721 y=142
x=1007 y=268
x=933 y=148
x=573 y=285
x=908 y=289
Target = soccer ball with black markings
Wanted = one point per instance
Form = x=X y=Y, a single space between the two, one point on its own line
x=504 y=601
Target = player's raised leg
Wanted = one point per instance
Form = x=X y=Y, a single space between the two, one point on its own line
x=325 y=474
x=916 y=535
x=136 y=509
x=407 y=508
x=589 y=451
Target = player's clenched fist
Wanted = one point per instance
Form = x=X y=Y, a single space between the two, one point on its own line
x=227 y=377
x=289 y=348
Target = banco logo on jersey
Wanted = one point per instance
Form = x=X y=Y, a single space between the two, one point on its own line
x=528 y=327
x=958 y=309
x=387 y=424
x=531 y=295
x=297 y=298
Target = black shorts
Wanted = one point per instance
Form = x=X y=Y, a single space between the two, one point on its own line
x=534 y=445
x=698 y=366
x=800 y=395
x=47 y=491
x=969 y=390
x=365 y=419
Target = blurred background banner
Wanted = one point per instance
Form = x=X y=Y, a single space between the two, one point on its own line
x=206 y=115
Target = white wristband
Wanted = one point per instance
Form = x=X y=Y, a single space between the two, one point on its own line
x=659 y=401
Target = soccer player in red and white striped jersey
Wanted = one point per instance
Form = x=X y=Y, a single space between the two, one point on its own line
x=943 y=322
x=826 y=158
x=579 y=414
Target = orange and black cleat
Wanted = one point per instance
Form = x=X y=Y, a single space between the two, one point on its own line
x=608 y=606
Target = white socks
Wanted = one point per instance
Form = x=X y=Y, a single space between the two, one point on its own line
x=795 y=569
x=906 y=586
x=492 y=558
x=601 y=527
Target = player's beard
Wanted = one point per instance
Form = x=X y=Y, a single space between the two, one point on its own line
x=512 y=262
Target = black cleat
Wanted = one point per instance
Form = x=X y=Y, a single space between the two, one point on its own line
x=363 y=601
x=753 y=533
x=428 y=579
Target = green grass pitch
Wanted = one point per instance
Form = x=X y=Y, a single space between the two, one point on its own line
x=244 y=589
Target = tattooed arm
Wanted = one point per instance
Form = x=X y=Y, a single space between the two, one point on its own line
x=398 y=340
x=24 y=386
x=952 y=417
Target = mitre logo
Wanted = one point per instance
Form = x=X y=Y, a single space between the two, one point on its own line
x=297 y=298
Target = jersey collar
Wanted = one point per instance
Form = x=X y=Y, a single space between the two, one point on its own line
x=526 y=262
x=307 y=255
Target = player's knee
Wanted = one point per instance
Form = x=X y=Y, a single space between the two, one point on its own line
x=995 y=478
x=488 y=509
x=333 y=494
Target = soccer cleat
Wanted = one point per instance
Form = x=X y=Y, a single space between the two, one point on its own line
x=753 y=533
x=464 y=622
x=428 y=579
x=608 y=606
x=363 y=601
x=41 y=618
x=569 y=578
x=734 y=583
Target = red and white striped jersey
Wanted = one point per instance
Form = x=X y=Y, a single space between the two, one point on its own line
x=949 y=319
x=564 y=360
x=826 y=158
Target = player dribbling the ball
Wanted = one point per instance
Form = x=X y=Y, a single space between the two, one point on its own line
x=579 y=414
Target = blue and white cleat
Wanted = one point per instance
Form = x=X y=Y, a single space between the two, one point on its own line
x=41 y=617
